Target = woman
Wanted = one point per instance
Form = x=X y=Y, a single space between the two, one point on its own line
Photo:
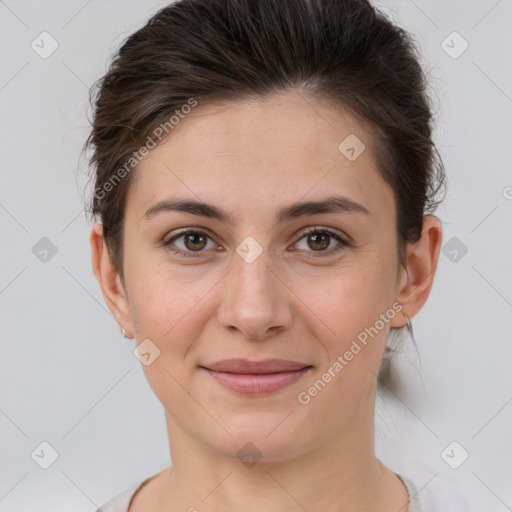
x=265 y=182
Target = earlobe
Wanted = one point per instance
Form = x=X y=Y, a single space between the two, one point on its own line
x=109 y=279
x=418 y=276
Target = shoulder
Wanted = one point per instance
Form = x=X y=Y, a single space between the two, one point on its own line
x=121 y=502
x=438 y=493
x=435 y=495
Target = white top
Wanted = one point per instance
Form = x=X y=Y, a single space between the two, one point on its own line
x=438 y=496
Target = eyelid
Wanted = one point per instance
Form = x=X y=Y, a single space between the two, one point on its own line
x=187 y=230
x=330 y=231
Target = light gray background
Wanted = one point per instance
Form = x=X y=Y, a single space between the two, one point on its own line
x=67 y=376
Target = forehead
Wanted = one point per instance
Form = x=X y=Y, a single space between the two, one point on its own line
x=257 y=152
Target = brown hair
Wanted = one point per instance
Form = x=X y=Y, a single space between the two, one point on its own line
x=344 y=51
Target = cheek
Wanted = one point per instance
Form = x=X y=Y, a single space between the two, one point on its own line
x=164 y=308
x=168 y=304
x=348 y=306
x=172 y=315
x=355 y=296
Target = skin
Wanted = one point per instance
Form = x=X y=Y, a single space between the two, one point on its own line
x=251 y=158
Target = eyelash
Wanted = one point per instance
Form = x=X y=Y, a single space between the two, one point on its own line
x=320 y=254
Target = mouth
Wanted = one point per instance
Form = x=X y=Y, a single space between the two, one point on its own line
x=256 y=377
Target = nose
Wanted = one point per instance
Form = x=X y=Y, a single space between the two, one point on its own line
x=255 y=301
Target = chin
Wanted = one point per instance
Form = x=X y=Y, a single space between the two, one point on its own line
x=262 y=437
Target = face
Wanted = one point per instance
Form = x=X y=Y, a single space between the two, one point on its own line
x=267 y=279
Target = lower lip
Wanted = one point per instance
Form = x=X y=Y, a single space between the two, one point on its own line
x=256 y=384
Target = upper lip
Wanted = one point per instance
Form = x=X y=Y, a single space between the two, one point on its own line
x=255 y=367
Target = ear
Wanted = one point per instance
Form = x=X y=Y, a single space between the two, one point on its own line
x=417 y=278
x=109 y=280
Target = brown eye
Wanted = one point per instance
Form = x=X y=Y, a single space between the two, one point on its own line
x=189 y=242
x=318 y=241
x=195 y=241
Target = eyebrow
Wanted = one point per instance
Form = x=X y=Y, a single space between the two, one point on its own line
x=333 y=204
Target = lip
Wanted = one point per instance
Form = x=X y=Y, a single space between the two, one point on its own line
x=256 y=377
